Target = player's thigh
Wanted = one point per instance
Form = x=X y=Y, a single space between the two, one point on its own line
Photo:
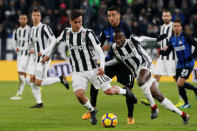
x=111 y=71
x=125 y=77
x=23 y=63
x=41 y=70
x=79 y=81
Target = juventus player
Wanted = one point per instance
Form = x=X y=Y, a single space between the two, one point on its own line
x=40 y=37
x=83 y=45
x=21 y=44
x=136 y=59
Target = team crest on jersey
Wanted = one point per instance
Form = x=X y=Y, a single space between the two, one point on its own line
x=180 y=42
x=67 y=35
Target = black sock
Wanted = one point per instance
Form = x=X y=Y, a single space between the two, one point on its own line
x=130 y=107
x=182 y=93
x=93 y=95
x=190 y=87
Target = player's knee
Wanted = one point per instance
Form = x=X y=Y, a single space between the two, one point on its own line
x=180 y=84
x=141 y=82
x=108 y=91
x=159 y=97
x=38 y=83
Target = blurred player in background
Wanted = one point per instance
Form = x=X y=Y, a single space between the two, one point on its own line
x=40 y=37
x=182 y=44
x=21 y=44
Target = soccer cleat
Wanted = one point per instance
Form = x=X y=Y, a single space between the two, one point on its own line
x=64 y=82
x=37 y=106
x=129 y=95
x=93 y=118
x=185 y=118
x=130 y=120
x=180 y=103
x=86 y=115
x=145 y=102
x=17 y=97
x=154 y=112
x=185 y=106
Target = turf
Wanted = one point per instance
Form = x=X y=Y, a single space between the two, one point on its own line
x=62 y=111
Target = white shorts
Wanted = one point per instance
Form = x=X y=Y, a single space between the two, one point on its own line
x=41 y=70
x=22 y=63
x=32 y=65
x=80 y=80
x=165 y=67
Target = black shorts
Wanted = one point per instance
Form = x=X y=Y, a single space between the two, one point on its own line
x=123 y=74
x=183 y=72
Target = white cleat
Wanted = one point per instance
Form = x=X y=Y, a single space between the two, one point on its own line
x=16 y=98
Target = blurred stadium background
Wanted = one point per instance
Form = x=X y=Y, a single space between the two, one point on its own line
x=143 y=16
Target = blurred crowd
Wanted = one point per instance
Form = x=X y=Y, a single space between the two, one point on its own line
x=143 y=16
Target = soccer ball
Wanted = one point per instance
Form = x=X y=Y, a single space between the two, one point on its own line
x=109 y=120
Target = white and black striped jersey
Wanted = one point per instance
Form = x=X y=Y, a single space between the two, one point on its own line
x=40 y=38
x=21 y=39
x=82 y=48
x=166 y=29
x=131 y=54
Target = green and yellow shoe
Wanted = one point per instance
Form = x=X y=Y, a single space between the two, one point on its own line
x=145 y=102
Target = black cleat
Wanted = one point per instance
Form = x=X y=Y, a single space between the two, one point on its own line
x=185 y=118
x=64 y=82
x=37 y=106
x=93 y=118
x=154 y=112
x=130 y=95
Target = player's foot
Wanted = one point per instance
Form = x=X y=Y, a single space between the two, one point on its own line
x=130 y=120
x=17 y=97
x=185 y=118
x=145 y=102
x=86 y=115
x=37 y=106
x=93 y=118
x=185 y=106
x=180 y=103
x=130 y=95
x=154 y=112
x=64 y=82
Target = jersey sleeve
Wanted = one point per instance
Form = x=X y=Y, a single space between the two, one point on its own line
x=14 y=39
x=193 y=42
x=48 y=32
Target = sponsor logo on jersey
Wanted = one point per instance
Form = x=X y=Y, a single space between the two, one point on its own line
x=128 y=56
x=179 y=48
x=76 y=47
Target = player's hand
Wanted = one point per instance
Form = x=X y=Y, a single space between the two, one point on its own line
x=161 y=37
x=165 y=48
x=39 y=54
x=106 y=47
x=31 y=51
x=17 y=49
x=46 y=58
x=100 y=71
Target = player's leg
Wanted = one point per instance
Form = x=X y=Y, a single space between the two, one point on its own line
x=125 y=77
x=167 y=103
x=79 y=84
x=145 y=81
x=43 y=80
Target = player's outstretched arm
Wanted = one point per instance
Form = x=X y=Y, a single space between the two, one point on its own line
x=111 y=62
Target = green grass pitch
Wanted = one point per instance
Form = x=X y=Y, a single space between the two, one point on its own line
x=62 y=111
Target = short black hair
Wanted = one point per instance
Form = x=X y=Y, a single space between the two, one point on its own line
x=117 y=31
x=36 y=10
x=178 y=21
x=112 y=8
x=22 y=14
x=75 y=14
x=166 y=10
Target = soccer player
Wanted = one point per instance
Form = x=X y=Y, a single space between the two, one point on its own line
x=40 y=38
x=124 y=76
x=136 y=59
x=182 y=44
x=84 y=48
x=21 y=44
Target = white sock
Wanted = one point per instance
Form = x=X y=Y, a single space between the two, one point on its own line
x=27 y=80
x=21 y=84
x=169 y=105
x=147 y=93
x=36 y=92
x=50 y=80
x=88 y=106
x=122 y=91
